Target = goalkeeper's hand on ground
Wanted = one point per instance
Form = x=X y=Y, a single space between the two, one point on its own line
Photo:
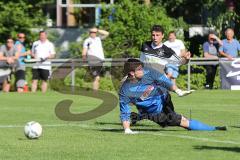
x=129 y=131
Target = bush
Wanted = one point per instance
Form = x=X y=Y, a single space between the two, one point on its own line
x=130 y=26
x=20 y=16
x=197 y=78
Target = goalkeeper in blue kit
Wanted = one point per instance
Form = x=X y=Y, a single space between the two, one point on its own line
x=148 y=89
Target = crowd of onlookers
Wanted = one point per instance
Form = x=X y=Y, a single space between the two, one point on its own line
x=12 y=62
x=13 y=55
x=215 y=48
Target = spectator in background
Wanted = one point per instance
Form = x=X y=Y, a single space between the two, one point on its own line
x=93 y=53
x=9 y=57
x=172 y=71
x=43 y=50
x=210 y=50
x=230 y=46
x=23 y=53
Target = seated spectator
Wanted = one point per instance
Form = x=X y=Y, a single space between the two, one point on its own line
x=210 y=50
x=230 y=46
x=9 y=57
x=20 y=72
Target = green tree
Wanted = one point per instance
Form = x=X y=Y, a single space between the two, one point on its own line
x=130 y=26
x=20 y=16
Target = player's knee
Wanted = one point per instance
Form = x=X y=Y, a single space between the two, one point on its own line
x=174 y=119
x=184 y=122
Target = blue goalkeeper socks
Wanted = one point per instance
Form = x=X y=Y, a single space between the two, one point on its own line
x=199 y=126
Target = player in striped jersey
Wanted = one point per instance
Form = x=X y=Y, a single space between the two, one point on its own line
x=156 y=55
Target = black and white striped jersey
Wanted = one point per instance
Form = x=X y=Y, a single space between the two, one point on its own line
x=161 y=55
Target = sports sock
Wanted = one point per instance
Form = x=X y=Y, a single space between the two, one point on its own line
x=199 y=126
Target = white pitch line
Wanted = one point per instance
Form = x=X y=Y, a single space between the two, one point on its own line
x=193 y=138
x=147 y=133
x=48 y=125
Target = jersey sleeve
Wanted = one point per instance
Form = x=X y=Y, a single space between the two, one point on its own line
x=33 y=47
x=161 y=79
x=52 y=49
x=238 y=45
x=86 y=44
x=205 y=48
x=169 y=52
x=182 y=46
x=1 y=50
x=174 y=58
x=125 y=108
x=15 y=50
x=17 y=43
x=221 y=47
x=166 y=43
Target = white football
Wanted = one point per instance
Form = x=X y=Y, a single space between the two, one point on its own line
x=33 y=130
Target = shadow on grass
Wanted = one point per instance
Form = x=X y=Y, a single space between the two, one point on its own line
x=27 y=139
x=235 y=126
x=230 y=149
x=22 y=139
x=120 y=124
x=137 y=129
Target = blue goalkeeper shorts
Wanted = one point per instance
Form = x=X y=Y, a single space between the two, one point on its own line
x=172 y=69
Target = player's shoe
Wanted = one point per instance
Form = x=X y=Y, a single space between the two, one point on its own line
x=134 y=118
x=182 y=93
x=221 y=128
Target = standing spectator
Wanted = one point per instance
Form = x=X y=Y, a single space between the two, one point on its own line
x=230 y=46
x=210 y=50
x=9 y=57
x=43 y=50
x=93 y=53
x=20 y=73
x=178 y=47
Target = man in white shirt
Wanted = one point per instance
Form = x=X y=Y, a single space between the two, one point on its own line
x=175 y=44
x=178 y=47
x=42 y=49
x=93 y=53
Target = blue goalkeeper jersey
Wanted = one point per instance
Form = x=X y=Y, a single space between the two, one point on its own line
x=148 y=94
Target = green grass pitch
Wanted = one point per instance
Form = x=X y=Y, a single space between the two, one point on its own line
x=103 y=138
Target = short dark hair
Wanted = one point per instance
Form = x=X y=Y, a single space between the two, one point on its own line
x=212 y=32
x=20 y=33
x=157 y=28
x=42 y=31
x=229 y=28
x=131 y=65
x=9 y=38
x=172 y=32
